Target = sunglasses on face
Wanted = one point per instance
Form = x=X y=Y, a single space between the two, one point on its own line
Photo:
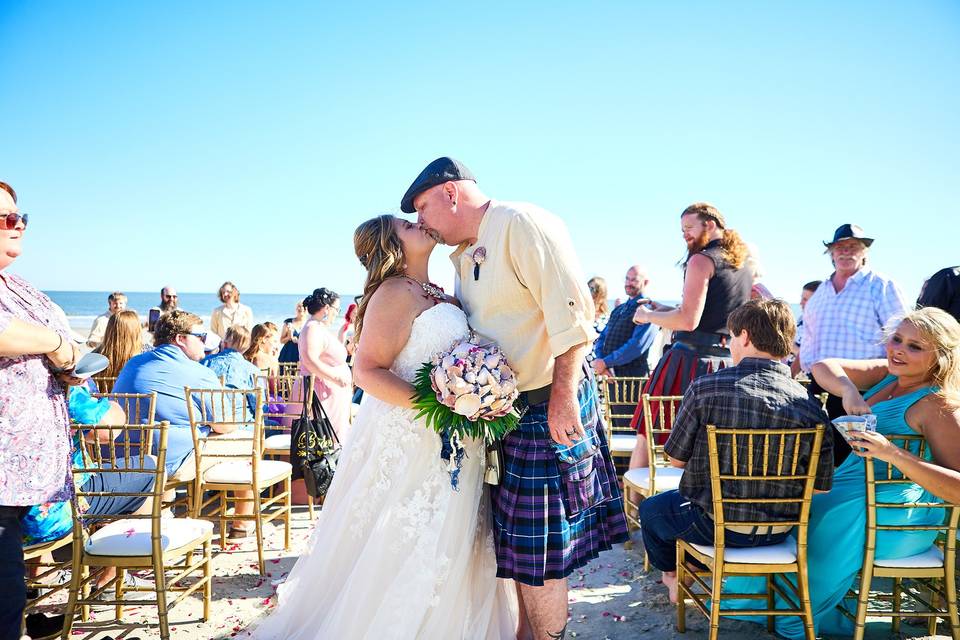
x=201 y=336
x=11 y=220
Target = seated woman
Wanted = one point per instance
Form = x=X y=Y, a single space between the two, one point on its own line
x=264 y=348
x=915 y=390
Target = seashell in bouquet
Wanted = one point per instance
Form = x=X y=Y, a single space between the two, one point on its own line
x=468 y=391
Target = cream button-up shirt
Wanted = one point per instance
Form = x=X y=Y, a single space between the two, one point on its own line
x=529 y=294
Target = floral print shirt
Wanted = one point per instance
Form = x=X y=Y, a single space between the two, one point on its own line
x=34 y=427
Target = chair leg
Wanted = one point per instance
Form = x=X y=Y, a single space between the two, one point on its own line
x=208 y=579
x=118 y=588
x=770 y=602
x=715 y=594
x=950 y=586
x=803 y=589
x=863 y=598
x=681 y=596
x=287 y=508
x=223 y=519
x=160 y=586
x=897 y=592
x=258 y=527
x=85 y=592
x=75 y=578
x=934 y=602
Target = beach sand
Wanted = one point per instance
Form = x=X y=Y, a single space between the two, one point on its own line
x=610 y=599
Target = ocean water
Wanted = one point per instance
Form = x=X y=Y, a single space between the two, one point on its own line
x=82 y=307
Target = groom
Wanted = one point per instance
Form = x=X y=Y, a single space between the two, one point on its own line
x=519 y=281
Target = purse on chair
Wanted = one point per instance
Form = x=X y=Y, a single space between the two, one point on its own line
x=314 y=447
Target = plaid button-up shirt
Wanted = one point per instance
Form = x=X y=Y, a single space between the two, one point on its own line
x=849 y=324
x=755 y=394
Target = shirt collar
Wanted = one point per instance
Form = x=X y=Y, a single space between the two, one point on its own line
x=763 y=364
x=463 y=246
x=171 y=351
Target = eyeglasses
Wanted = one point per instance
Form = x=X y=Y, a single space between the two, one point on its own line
x=11 y=220
x=202 y=336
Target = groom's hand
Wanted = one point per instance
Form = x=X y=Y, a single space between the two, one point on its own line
x=563 y=418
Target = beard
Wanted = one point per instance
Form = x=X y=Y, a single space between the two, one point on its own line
x=167 y=306
x=698 y=243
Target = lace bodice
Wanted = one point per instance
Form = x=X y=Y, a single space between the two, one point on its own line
x=433 y=331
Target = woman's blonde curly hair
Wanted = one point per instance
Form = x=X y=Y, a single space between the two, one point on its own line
x=941 y=332
x=378 y=247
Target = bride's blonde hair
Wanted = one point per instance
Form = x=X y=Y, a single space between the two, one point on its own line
x=378 y=247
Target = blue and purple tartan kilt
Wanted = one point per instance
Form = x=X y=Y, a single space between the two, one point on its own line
x=551 y=517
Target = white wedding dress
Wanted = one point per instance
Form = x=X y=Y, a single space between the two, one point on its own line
x=396 y=552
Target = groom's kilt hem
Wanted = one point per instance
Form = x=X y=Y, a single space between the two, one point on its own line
x=551 y=518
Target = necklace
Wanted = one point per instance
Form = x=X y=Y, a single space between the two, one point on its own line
x=432 y=290
x=896 y=387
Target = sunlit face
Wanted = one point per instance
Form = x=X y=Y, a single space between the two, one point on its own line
x=434 y=212
x=300 y=309
x=168 y=297
x=227 y=293
x=848 y=255
x=695 y=232
x=908 y=354
x=9 y=238
x=192 y=343
x=633 y=283
x=805 y=296
x=117 y=305
x=415 y=238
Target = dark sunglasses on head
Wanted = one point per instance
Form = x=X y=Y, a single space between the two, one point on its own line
x=11 y=220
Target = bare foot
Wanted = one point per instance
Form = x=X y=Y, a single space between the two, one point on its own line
x=669 y=579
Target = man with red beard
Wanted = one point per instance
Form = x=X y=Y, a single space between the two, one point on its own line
x=715 y=283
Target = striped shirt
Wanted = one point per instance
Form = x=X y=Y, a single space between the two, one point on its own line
x=849 y=324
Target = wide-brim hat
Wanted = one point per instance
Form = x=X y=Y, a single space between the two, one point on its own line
x=845 y=231
x=441 y=170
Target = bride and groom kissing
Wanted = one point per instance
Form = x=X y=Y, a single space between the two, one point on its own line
x=396 y=552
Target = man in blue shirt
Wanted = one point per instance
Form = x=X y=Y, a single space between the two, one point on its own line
x=623 y=347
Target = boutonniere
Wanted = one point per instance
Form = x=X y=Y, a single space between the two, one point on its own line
x=479 y=255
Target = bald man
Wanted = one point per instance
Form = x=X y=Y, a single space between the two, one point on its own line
x=623 y=347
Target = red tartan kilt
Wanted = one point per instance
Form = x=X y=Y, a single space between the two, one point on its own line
x=678 y=367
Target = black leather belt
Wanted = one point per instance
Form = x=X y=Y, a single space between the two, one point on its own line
x=701 y=338
x=542 y=395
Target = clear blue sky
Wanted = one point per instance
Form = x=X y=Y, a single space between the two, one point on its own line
x=190 y=143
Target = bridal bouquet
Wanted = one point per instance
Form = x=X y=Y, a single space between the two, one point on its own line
x=466 y=392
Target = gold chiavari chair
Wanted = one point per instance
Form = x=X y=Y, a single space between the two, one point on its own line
x=232 y=462
x=659 y=475
x=167 y=546
x=933 y=570
x=105 y=383
x=45 y=571
x=621 y=395
x=778 y=451
x=287 y=392
x=289 y=369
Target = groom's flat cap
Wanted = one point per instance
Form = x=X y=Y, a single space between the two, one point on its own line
x=437 y=172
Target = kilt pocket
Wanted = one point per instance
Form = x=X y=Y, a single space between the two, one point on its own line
x=580 y=485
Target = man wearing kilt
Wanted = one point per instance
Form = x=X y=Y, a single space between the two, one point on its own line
x=714 y=284
x=557 y=504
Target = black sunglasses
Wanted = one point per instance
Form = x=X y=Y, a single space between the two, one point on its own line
x=11 y=220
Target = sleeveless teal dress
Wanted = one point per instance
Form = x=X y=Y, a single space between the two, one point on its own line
x=837 y=530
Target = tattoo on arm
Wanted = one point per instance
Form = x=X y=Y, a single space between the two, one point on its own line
x=559 y=635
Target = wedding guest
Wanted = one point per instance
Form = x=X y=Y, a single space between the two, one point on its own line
x=264 y=348
x=231 y=312
x=323 y=355
x=805 y=294
x=756 y=392
x=601 y=308
x=35 y=448
x=847 y=315
x=169 y=300
x=623 y=347
x=942 y=290
x=116 y=301
x=230 y=365
x=122 y=339
x=715 y=283
x=290 y=333
x=345 y=334
x=914 y=390
x=758 y=291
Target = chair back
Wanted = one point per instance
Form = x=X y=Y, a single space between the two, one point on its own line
x=621 y=395
x=659 y=412
x=136 y=449
x=285 y=402
x=289 y=368
x=235 y=431
x=880 y=474
x=741 y=459
x=105 y=383
x=140 y=407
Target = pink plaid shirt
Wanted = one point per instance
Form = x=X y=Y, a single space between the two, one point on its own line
x=34 y=426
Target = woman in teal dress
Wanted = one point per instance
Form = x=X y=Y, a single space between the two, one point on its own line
x=915 y=390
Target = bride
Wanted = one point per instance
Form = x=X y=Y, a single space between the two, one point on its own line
x=397 y=553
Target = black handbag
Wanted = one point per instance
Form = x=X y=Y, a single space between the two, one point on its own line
x=314 y=447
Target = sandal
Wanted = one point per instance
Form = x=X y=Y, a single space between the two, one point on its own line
x=241 y=533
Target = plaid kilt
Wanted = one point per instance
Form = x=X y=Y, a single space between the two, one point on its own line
x=680 y=365
x=551 y=517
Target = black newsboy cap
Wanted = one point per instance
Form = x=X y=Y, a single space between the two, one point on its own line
x=845 y=231
x=437 y=172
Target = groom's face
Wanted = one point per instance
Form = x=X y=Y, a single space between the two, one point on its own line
x=435 y=208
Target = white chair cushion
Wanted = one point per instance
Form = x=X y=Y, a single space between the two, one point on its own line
x=782 y=553
x=929 y=559
x=132 y=537
x=242 y=472
x=622 y=443
x=667 y=478
x=278 y=441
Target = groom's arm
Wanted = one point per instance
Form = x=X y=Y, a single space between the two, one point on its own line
x=563 y=412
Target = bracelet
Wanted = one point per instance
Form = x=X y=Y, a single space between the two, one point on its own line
x=57 y=348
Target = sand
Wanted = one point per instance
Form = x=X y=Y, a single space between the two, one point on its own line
x=612 y=598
